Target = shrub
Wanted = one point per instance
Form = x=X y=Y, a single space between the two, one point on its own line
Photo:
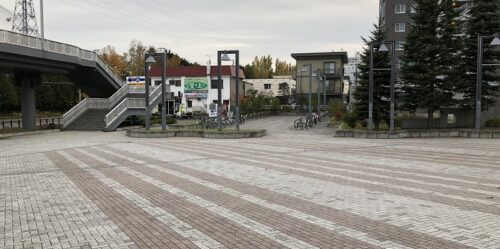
x=364 y=123
x=398 y=121
x=336 y=108
x=350 y=118
x=493 y=122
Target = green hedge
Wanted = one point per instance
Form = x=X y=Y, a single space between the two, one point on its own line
x=493 y=122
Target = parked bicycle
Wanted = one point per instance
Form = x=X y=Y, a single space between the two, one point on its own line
x=300 y=124
x=208 y=123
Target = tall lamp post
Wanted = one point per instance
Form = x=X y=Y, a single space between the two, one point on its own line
x=324 y=90
x=150 y=60
x=164 y=64
x=308 y=68
x=224 y=56
x=479 y=75
x=382 y=48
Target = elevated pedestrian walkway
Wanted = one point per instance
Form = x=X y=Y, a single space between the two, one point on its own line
x=111 y=102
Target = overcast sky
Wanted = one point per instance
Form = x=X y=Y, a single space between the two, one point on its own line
x=196 y=29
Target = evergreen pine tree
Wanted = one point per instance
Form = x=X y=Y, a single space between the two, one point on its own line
x=423 y=85
x=484 y=20
x=381 y=80
x=451 y=45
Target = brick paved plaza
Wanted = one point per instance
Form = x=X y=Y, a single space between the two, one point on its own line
x=290 y=189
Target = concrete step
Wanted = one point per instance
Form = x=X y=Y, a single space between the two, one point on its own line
x=90 y=120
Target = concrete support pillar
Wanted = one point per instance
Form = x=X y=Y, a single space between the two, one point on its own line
x=28 y=104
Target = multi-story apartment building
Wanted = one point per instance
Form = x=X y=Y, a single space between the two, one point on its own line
x=351 y=68
x=395 y=16
x=326 y=73
x=351 y=74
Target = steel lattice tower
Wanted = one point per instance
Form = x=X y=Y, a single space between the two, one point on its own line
x=24 y=18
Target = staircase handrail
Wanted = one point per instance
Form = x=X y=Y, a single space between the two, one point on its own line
x=129 y=103
x=118 y=95
x=154 y=95
x=74 y=112
x=95 y=103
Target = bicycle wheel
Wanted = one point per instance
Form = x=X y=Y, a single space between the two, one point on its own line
x=296 y=124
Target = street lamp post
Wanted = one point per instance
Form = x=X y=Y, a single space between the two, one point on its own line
x=382 y=48
x=224 y=56
x=324 y=90
x=309 y=66
x=318 y=75
x=147 y=65
x=164 y=63
x=479 y=75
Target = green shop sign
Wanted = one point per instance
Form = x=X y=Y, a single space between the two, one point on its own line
x=195 y=84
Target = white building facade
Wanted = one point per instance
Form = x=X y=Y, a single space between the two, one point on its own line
x=195 y=88
x=283 y=85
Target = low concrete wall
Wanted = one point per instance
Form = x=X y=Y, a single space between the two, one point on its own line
x=142 y=133
x=26 y=133
x=448 y=133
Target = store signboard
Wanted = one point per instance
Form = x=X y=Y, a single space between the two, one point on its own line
x=196 y=95
x=136 y=80
x=196 y=85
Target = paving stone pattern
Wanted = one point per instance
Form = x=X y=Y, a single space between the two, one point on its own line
x=290 y=189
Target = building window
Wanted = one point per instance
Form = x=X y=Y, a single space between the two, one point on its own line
x=400 y=45
x=329 y=68
x=190 y=103
x=213 y=84
x=400 y=8
x=174 y=82
x=267 y=86
x=400 y=27
x=452 y=119
x=413 y=8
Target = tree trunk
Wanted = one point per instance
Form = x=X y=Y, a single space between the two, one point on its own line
x=430 y=117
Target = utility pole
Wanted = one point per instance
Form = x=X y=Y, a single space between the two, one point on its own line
x=24 y=20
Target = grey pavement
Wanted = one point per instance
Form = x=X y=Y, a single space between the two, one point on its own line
x=289 y=189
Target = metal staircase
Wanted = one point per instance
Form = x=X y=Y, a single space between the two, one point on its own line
x=108 y=114
x=131 y=106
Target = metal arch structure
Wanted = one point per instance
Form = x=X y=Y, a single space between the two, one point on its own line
x=24 y=20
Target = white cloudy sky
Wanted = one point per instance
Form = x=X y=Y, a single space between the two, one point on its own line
x=196 y=29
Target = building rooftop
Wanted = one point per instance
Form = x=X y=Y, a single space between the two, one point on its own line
x=320 y=55
x=196 y=71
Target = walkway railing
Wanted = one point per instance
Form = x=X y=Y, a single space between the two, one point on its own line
x=49 y=122
x=18 y=39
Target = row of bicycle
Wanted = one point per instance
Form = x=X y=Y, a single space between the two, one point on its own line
x=212 y=123
x=309 y=121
